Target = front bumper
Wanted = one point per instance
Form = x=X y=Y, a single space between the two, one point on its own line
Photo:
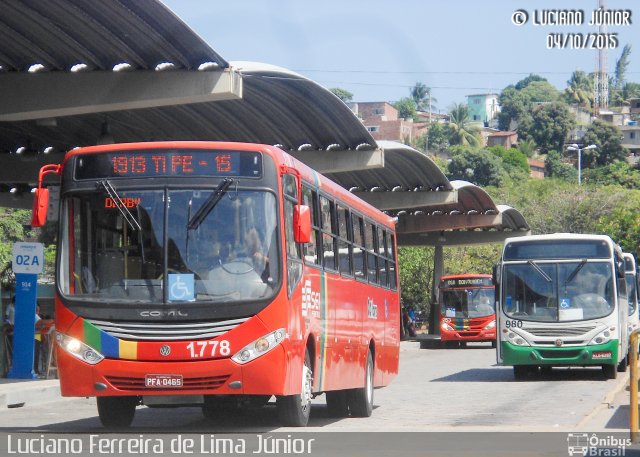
x=575 y=356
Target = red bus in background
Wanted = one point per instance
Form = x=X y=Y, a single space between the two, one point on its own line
x=467 y=308
x=219 y=274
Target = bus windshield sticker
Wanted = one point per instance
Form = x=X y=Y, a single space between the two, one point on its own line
x=450 y=312
x=565 y=303
x=181 y=287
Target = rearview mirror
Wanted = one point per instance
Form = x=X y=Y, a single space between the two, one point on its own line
x=40 y=207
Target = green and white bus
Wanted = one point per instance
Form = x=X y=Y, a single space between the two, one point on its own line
x=562 y=301
x=632 y=289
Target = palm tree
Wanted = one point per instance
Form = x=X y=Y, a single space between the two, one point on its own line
x=421 y=94
x=579 y=89
x=461 y=133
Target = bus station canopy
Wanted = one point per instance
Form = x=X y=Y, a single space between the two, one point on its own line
x=81 y=72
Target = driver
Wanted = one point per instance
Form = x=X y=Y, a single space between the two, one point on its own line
x=255 y=252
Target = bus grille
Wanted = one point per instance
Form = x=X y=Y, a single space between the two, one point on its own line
x=158 y=331
x=555 y=332
x=131 y=383
x=560 y=354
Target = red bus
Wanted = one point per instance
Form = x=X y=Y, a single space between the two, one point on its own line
x=467 y=308
x=219 y=274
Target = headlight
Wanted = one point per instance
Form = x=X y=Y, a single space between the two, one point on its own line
x=602 y=337
x=259 y=347
x=78 y=349
x=516 y=339
x=447 y=327
x=490 y=325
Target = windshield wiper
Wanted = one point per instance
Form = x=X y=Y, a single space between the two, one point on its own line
x=124 y=211
x=575 y=272
x=540 y=270
x=209 y=204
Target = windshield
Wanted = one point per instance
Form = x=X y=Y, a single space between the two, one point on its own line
x=570 y=291
x=631 y=293
x=467 y=303
x=231 y=254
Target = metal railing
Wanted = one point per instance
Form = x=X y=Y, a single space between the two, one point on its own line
x=633 y=385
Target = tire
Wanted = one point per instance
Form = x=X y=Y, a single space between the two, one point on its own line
x=116 y=412
x=609 y=371
x=624 y=363
x=360 y=400
x=494 y=344
x=294 y=410
x=337 y=403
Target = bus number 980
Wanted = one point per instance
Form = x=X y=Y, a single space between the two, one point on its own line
x=512 y=323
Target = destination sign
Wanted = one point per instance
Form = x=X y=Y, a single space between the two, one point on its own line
x=168 y=163
x=465 y=282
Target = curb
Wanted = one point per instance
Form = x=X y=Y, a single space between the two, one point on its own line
x=606 y=401
x=13 y=395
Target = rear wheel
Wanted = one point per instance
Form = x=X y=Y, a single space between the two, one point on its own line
x=360 y=400
x=337 y=404
x=609 y=371
x=116 y=411
x=294 y=410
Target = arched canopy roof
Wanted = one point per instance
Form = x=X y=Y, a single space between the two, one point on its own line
x=80 y=72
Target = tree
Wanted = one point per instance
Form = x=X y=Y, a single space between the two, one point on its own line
x=622 y=64
x=555 y=168
x=342 y=94
x=579 y=89
x=460 y=132
x=608 y=140
x=549 y=126
x=406 y=108
x=421 y=95
x=436 y=138
x=527 y=147
x=514 y=162
x=416 y=276
x=528 y=80
x=479 y=167
x=618 y=173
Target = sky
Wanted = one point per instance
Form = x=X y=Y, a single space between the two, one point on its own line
x=379 y=49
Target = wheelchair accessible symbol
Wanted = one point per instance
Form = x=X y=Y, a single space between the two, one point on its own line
x=565 y=303
x=181 y=287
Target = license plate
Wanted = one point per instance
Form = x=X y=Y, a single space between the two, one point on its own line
x=602 y=355
x=163 y=381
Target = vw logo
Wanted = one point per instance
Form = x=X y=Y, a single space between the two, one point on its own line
x=165 y=350
x=558 y=343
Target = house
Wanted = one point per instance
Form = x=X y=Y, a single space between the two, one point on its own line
x=631 y=141
x=483 y=109
x=382 y=121
x=536 y=168
x=505 y=139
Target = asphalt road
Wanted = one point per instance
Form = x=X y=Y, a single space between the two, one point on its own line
x=436 y=390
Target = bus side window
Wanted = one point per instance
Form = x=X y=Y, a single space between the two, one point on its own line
x=359 y=254
x=382 y=263
x=311 y=249
x=391 y=249
x=370 y=245
x=344 y=245
x=294 y=261
x=327 y=215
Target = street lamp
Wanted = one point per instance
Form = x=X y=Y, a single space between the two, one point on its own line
x=575 y=147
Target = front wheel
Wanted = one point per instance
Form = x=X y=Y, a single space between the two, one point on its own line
x=609 y=371
x=294 y=410
x=624 y=363
x=360 y=400
x=117 y=412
